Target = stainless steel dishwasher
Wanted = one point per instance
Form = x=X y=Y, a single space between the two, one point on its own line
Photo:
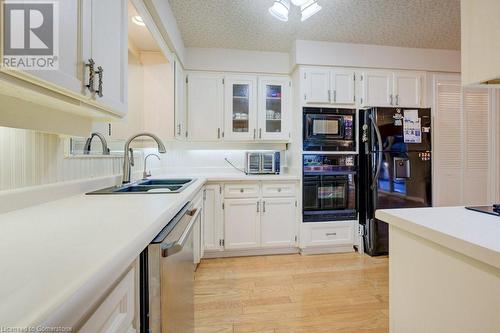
x=167 y=276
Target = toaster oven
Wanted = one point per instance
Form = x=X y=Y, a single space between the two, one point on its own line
x=258 y=163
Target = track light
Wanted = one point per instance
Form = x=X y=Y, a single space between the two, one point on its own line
x=280 y=9
x=300 y=3
x=309 y=9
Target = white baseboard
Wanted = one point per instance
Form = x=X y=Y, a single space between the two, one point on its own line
x=250 y=252
x=327 y=249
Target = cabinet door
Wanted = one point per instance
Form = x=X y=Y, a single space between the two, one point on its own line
x=179 y=101
x=69 y=75
x=109 y=49
x=240 y=119
x=407 y=89
x=278 y=222
x=205 y=106
x=317 y=86
x=241 y=223
x=342 y=86
x=212 y=224
x=274 y=108
x=377 y=89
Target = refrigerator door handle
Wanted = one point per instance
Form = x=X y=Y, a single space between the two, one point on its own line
x=380 y=152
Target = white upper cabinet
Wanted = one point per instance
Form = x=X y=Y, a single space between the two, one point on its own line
x=274 y=108
x=480 y=45
x=205 y=99
x=242 y=223
x=69 y=75
x=342 y=87
x=329 y=86
x=180 y=101
x=105 y=41
x=377 y=89
x=317 y=86
x=240 y=116
x=407 y=89
x=278 y=222
x=387 y=89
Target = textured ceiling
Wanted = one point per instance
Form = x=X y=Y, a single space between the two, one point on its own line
x=246 y=24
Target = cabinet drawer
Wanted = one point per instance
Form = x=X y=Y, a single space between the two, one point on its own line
x=341 y=233
x=278 y=189
x=241 y=190
x=117 y=312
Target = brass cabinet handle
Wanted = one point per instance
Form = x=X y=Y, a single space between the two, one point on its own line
x=100 y=73
x=91 y=65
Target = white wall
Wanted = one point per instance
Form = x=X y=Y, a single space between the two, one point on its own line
x=230 y=60
x=374 y=56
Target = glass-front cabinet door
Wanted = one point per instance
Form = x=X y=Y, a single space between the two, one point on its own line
x=274 y=108
x=241 y=108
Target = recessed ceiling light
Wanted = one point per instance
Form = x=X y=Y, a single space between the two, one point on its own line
x=309 y=9
x=138 y=20
x=280 y=9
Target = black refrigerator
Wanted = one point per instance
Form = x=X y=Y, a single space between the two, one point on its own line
x=395 y=167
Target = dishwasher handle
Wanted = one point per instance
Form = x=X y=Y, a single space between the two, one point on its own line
x=169 y=249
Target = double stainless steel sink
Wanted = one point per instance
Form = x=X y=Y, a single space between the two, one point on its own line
x=148 y=186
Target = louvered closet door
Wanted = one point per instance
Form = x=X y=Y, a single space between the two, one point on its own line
x=477 y=138
x=448 y=169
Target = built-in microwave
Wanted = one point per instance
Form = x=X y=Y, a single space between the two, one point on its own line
x=329 y=129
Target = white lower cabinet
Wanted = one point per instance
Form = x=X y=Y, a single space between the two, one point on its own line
x=278 y=225
x=241 y=223
x=253 y=216
x=118 y=312
x=339 y=235
x=212 y=218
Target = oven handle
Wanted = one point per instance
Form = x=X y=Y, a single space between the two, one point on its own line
x=380 y=152
x=169 y=249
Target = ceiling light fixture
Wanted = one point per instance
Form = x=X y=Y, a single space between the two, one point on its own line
x=138 y=20
x=280 y=9
x=299 y=3
x=309 y=9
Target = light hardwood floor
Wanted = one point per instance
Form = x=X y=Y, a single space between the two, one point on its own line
x=292 y=294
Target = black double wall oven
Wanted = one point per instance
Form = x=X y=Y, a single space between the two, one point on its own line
x=329 y=165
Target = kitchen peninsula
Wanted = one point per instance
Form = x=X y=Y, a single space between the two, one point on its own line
x=444 y=270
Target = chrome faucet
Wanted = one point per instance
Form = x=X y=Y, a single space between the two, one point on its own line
x=127 y=162
x=146 y=174
x=88 y=144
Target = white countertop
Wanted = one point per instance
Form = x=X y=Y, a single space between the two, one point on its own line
x=57 y=256
x=473 y=234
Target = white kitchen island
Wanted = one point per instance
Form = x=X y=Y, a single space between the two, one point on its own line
x=444 y=270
